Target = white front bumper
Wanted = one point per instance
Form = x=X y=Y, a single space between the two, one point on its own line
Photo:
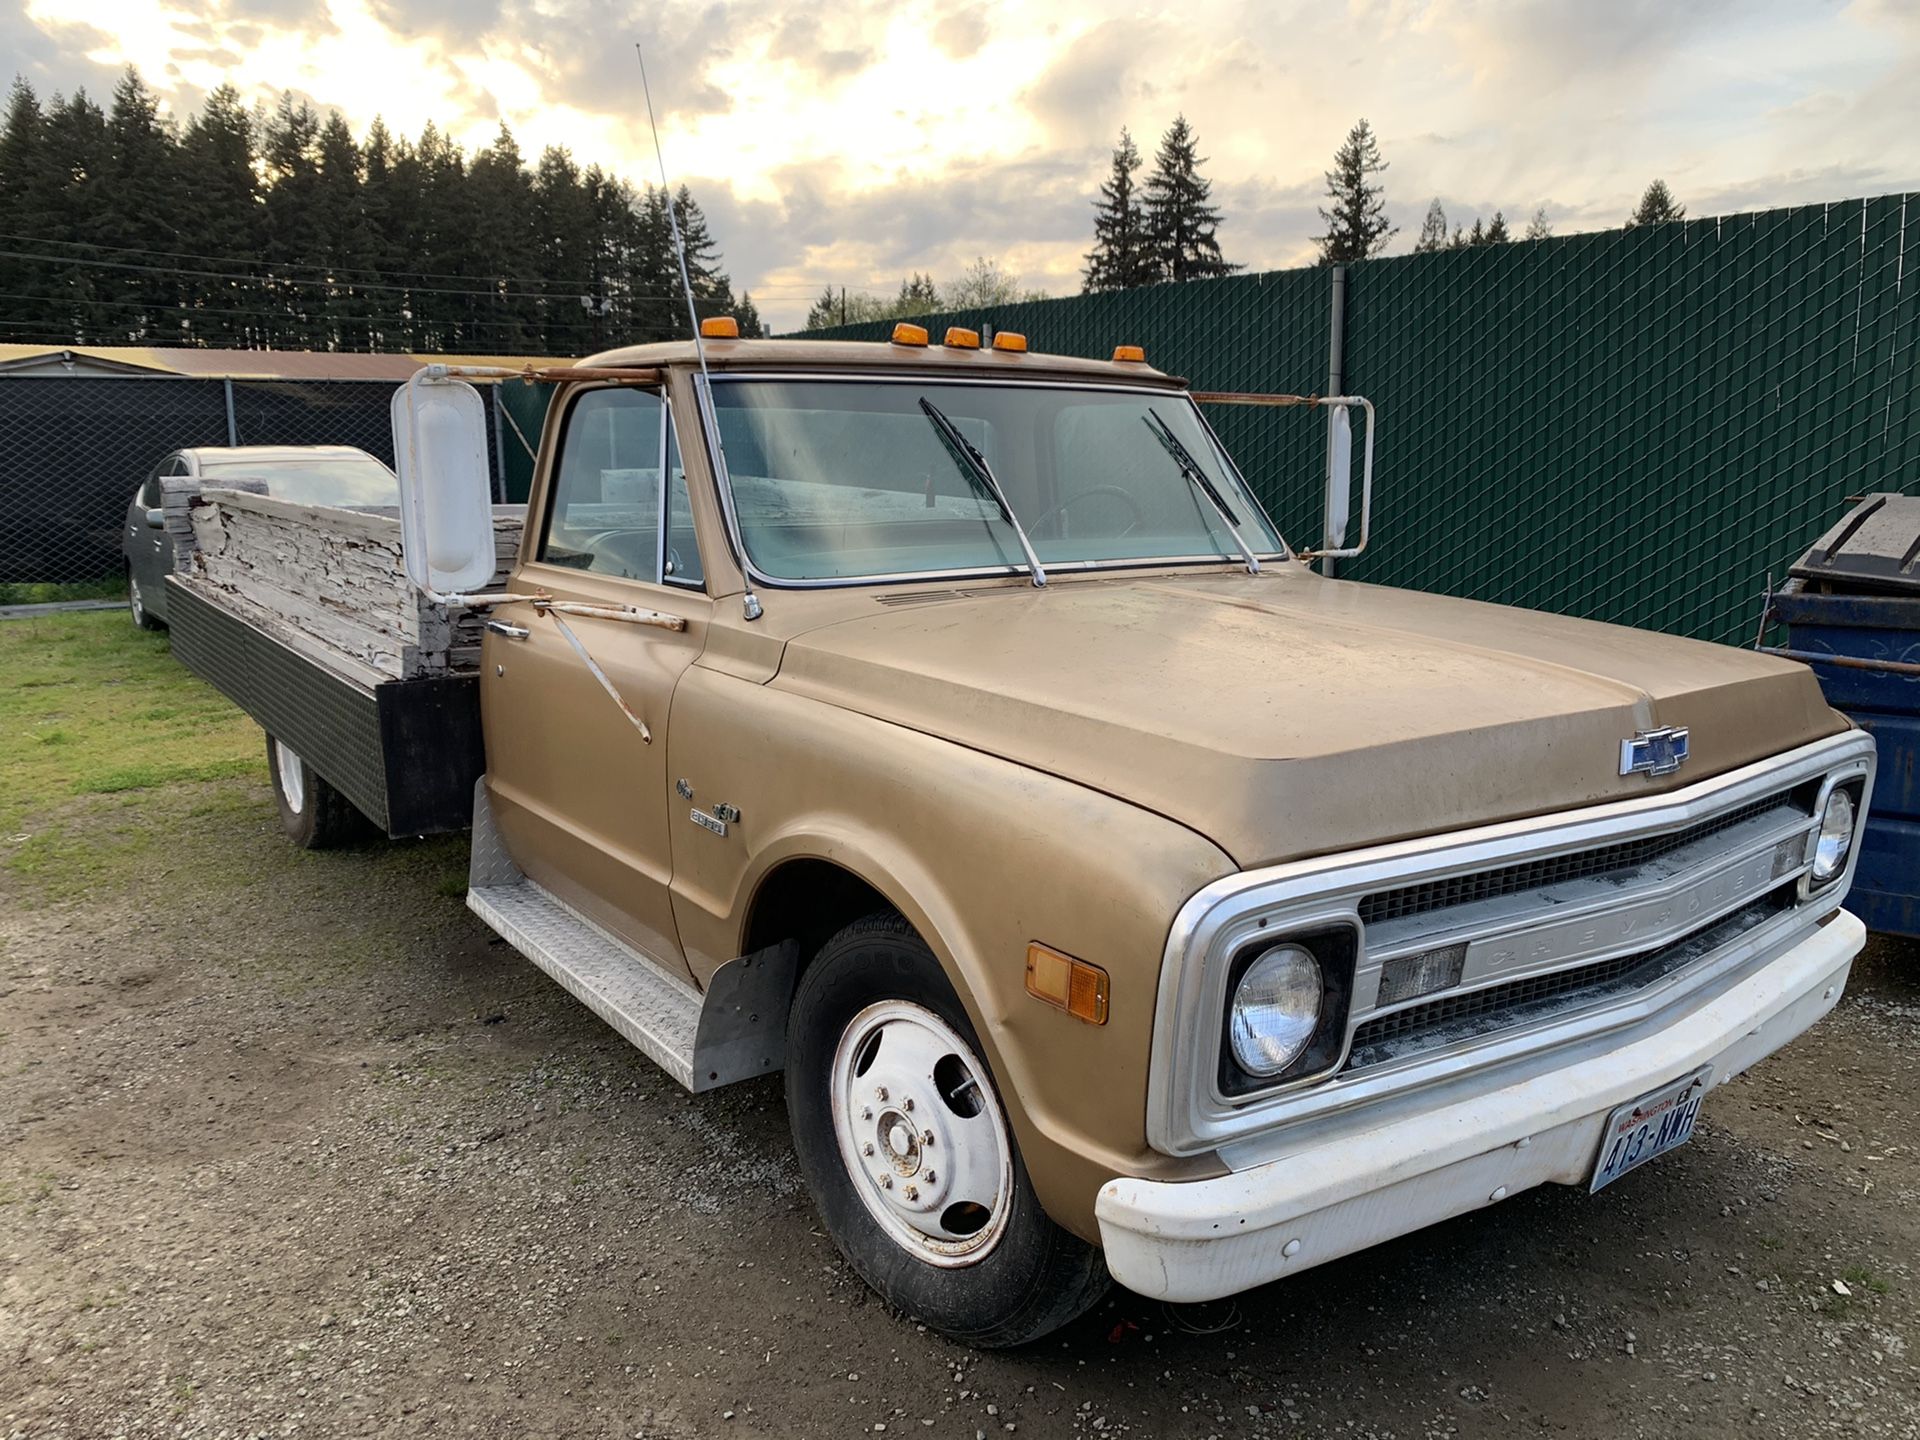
x=1201 y=1239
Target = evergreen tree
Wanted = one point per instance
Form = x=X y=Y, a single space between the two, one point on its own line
x=80 y=305
x=223 y=192
x=1124 y=253
x=751 y=326
x=138 y=210
x=26 y=186
x=918 y=296
x=290 y=220
x=1181 y=220
x=1497 y=232
x=1357 y=224
x=1433 y=230
x=1656 y=206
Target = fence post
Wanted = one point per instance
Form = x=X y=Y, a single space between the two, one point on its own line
x=497 y=396
x=233 y=430
x=1336 y=380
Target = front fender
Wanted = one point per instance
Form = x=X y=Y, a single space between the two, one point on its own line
x=982 y=856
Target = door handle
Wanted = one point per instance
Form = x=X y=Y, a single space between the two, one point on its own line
x=512 y=632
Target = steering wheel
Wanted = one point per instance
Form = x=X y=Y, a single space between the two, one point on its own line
x=1111 y=492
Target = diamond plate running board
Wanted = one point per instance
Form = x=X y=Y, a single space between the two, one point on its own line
x=735 y=1030
x=650 y=1008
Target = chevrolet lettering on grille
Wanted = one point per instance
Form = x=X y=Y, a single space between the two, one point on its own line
x=1654 y=752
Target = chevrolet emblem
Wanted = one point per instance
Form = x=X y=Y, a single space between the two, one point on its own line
x=1654 y=752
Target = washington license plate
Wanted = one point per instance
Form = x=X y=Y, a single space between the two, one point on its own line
x=1649 y=1126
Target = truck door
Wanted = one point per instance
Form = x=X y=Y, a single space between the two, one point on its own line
x=577 y=779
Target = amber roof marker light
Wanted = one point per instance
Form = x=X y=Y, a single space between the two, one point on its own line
x=958 y=337
x=1009 y=342
x=905 y=334
x=1130 y=354
x=720 y=327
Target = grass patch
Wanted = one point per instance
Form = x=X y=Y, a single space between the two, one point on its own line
x=106 y=742
x=37 y=592
x=91 y=705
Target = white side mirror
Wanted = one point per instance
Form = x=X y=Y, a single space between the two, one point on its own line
x=446 y=502
x=1339 y=478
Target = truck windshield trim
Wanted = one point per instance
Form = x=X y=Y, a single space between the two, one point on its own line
x=1003 y=555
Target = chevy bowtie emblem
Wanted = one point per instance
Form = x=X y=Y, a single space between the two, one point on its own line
x=1654 y=752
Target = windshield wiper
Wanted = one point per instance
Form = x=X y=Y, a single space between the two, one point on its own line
x=975 y=464
x=1190 y=468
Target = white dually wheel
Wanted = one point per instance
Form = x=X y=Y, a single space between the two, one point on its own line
x=921 y=1136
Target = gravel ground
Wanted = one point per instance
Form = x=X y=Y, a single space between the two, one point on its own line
x=289 y=1145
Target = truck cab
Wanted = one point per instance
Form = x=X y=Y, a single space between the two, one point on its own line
x=948 y=727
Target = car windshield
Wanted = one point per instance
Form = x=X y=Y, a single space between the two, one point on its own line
x=845 y=479
x=345 y=481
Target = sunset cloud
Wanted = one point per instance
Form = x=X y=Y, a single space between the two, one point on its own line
x=849 y=145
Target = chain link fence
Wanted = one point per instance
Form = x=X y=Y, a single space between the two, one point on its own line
x=1635 y=425
x=78 y=447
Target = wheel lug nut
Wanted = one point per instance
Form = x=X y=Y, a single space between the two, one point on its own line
x=880 y=1092
x=886 y=1182
x=931 y=1177
x=866 y=1112
x=867 y=1149
x=907 y=1104
x=913 y=1192
x=926 y=1137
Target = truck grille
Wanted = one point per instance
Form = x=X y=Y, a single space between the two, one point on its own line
x=1626 y=855
x=1454 y=1018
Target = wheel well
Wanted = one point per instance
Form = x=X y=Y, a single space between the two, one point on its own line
x=809 y=902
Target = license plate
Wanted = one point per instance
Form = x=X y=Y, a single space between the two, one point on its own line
x=1649 y=1126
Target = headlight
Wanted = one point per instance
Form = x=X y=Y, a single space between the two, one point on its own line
x=1276 y=1010
x=1836 y=837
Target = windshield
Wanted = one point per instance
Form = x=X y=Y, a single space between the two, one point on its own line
x=339 y=480
x=843 y=479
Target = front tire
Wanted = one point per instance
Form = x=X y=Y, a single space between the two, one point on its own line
x=137 y=604
x=904 y=1142
x=314 y=814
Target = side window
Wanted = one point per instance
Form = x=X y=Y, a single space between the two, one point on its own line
x=150 y=490
x=604 y=514
x=683 y=549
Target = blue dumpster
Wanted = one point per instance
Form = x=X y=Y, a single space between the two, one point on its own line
x=1852 y=612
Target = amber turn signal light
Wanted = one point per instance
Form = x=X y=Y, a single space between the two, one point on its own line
x=905 y=334
x=1010 y=342
x=1067 y=984
x=1135 y=353
x=961 y=338
x=720 y=327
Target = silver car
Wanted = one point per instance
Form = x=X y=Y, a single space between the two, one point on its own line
x=338 y=475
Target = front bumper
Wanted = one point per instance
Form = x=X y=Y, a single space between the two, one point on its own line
x=1370 y=1181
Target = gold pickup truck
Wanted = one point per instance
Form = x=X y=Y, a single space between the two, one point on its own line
x=948 y=727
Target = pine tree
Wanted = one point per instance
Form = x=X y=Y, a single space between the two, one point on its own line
x=1124 y=254
x=1497 y=231
x=825 y=312
x=291 y=218
x=81 y=305
x=1433 y=230
x=751 y=325
x=222 y=192
x=26 y=185
x=1656 y=207
x=138 y=213
x=1357 y=224
x=918 y=296
x=1181 y=221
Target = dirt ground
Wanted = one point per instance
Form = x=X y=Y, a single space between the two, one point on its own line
x=289 y=1145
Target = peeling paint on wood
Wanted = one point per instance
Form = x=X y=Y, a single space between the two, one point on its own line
x=335 y=575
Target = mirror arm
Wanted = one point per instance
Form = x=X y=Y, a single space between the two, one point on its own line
x=1346 y=552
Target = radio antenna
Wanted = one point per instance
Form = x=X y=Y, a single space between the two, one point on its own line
x=749 y=602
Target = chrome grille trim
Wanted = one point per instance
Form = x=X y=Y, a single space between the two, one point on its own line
x=1450 y=1018
x=1186 y=1111
x=1607 y=859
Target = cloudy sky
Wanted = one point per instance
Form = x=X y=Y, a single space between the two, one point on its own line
x=849 y=144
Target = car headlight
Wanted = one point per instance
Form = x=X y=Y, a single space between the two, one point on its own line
x=1837 y=821
x=1276 y=1009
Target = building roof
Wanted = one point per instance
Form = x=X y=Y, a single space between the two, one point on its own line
x=109 y=360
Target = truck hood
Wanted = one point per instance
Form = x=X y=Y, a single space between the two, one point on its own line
x=1287 y=715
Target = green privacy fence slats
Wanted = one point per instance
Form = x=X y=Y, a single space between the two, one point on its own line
x=1635 y=426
